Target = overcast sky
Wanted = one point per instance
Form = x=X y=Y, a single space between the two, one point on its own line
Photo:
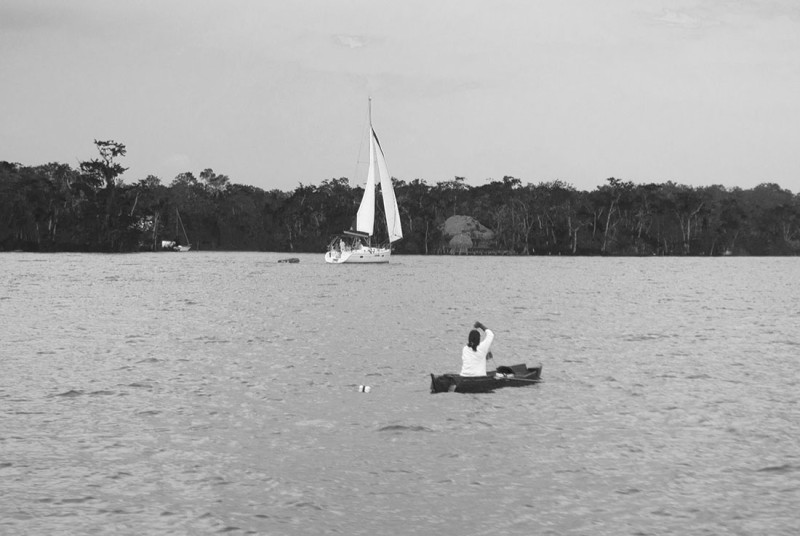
x=274 y=93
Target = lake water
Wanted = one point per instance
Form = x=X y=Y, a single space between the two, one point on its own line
x=203 y=392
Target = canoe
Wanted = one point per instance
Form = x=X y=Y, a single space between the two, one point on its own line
x=513 y=376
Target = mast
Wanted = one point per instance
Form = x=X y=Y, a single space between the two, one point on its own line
x=185 y=236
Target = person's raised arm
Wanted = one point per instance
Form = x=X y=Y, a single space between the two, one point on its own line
x=488 y=339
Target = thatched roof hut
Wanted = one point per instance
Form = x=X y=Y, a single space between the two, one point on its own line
x=464 y=233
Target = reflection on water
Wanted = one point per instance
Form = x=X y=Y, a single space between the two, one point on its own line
x=218 y=393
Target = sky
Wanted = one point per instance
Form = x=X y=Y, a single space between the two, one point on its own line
x=275 y=93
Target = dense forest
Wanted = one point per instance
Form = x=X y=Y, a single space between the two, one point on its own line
x=53 y=207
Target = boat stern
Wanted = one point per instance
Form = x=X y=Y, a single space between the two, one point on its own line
x=442 y=384
x=334 y=256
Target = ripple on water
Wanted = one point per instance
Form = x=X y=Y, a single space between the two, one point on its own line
x=71 y=393
x=401 y=428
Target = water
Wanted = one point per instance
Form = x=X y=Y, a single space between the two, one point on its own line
x=204 y=392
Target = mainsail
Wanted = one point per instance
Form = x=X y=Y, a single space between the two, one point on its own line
x=365 y=219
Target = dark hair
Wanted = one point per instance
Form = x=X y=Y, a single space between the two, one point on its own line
x=474 y=339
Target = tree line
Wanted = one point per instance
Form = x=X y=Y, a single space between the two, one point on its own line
x=53 y=207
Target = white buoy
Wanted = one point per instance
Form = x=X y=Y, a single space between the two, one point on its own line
x=364 y=388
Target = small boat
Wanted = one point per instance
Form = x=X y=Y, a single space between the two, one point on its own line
x=291 y=260
x=513 y=376
x=188 y=246
x=173 y=245
x=355 y=246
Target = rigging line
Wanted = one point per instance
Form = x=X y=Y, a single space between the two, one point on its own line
x=359 y=162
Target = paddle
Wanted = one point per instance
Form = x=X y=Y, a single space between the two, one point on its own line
x=520 y=380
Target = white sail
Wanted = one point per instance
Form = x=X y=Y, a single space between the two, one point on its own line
x=387 y=190
x=365 y=219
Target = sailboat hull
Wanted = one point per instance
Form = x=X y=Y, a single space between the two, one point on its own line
x=365 y=255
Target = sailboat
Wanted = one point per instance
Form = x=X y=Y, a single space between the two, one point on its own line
x=355 y=246
x=172 y=245
x=188 y=246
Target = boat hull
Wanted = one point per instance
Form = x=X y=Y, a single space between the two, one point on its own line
x=515 y=376
x=171 y=245
x=359 y=256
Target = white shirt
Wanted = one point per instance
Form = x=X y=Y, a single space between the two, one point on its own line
x=474 y=361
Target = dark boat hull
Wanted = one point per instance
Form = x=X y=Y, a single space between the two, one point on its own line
x=514 y=376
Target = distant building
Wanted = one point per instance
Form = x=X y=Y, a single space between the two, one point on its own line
x=464 y=235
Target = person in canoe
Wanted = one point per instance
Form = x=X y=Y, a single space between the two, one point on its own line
x=476 y=353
